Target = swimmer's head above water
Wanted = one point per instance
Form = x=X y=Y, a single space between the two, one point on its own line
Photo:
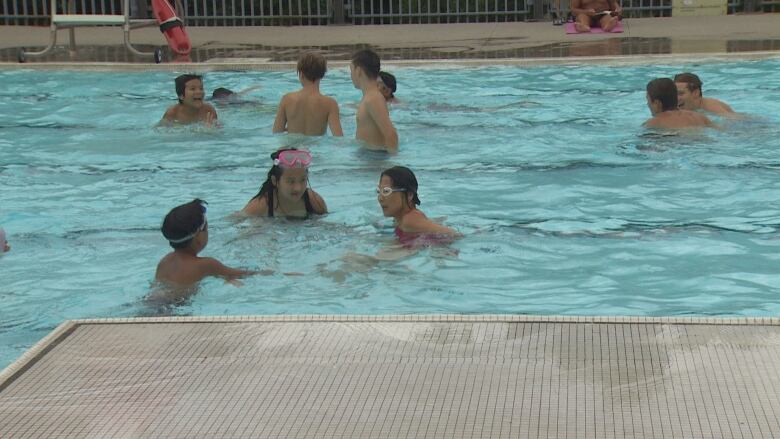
x=4 y=247
x=186 y=225
x=289 y=175
x=397 y=191
x=661 y=95
x=688 y=90
x=189 y=87
x=222 y=93
x=387 y=85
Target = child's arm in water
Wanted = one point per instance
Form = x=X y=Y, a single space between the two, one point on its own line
x=334 y=120
x=248 y=90
x=212 y=267
x=280 y=122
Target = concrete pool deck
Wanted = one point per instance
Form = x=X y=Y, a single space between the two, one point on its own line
x=673 y=35
x=438 y=376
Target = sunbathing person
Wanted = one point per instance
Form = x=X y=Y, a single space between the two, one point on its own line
x=689 y=96
x=596 y=13
x=662 y=102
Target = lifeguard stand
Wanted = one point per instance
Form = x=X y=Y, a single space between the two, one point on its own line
x=69 y=19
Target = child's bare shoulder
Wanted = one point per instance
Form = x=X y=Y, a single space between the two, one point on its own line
x=172 y=112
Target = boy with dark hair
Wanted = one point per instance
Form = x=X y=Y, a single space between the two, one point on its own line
x=662 y=102
x=689 y=96
x=307 y=111
x=374 y=126
x=191 y=108
x=186 y=229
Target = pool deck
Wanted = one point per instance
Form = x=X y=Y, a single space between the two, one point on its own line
x=440 y=376
x=480 y=41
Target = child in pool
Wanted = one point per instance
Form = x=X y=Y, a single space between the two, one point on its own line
x=286 y=190
x=4 y=247
x=191 y=108
x=186 y=229
x=397 y=196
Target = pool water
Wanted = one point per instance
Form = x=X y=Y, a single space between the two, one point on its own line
x=567 y=204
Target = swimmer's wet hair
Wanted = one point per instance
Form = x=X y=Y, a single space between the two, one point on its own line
x=403 y=178
x=312 y=65
x=181 y=83
x=691 y=80
x=221 y=93
x=389 y=81
x=663 y=90
x=183 y=221
x=368 y=61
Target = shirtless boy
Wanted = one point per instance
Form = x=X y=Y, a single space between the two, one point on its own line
x=191 y=108
x=374 y=126
x=186 y=229
x=307 y=111
x=689 y=96
x=662 y=102
x=601 y=13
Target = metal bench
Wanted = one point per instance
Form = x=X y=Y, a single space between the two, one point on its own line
x=72 y=20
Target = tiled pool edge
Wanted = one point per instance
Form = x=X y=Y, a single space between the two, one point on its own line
x=39 y=349
x=244 y=64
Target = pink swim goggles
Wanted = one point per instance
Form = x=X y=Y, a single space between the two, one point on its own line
x=293 y=158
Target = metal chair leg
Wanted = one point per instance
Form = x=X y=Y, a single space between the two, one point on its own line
x=52 y=42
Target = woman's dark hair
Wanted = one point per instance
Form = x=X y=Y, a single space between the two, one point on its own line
x=664 y=91
x=181 y=83
x=275 y=171
x=183 y=221
x=403 y=178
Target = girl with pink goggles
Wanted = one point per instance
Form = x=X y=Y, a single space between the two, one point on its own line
x=293 y=158
x=286 y=190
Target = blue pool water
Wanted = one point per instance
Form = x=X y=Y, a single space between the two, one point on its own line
x=567 y=205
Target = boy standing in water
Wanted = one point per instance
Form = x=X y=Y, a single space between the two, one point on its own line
x=307 y=111
x=186 y=229
x=374 y=126
x=191 y=108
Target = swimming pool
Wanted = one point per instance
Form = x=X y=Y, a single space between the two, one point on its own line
x=567 y=205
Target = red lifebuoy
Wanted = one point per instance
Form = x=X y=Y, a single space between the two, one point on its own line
x=172 y=27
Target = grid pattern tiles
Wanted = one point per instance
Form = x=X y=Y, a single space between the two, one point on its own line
x=439 y=379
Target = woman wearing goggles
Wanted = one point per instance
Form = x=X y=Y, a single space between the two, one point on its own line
x=286 y=191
